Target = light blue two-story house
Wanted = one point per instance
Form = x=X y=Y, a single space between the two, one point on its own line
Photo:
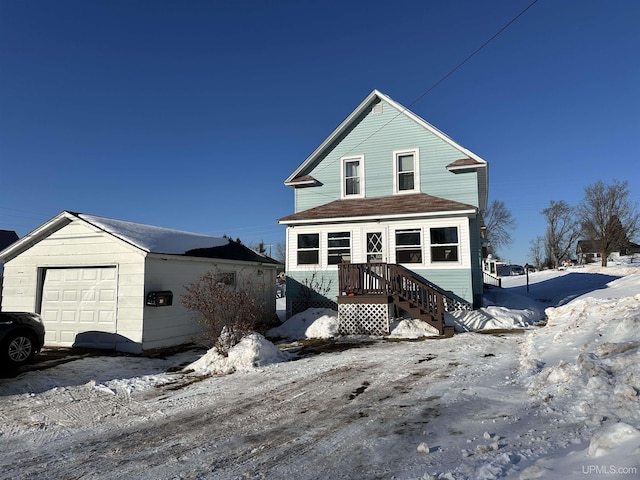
x=388 y=214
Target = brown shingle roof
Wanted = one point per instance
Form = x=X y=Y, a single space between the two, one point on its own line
x=379 y=206
x=464 y=162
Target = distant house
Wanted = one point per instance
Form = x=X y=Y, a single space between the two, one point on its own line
x=106 y=283
x=7 y=237
x=589 y=251
x=387 y=202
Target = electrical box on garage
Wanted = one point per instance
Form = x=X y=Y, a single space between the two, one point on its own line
x=160 y=299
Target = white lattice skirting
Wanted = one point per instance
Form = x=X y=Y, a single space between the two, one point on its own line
x=364 y=319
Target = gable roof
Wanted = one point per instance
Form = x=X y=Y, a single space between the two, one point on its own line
x=147 y=238
x=360 y=109
x=153 y=239
x=410 y=205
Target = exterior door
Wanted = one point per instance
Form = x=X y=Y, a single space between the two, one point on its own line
x=375 y=247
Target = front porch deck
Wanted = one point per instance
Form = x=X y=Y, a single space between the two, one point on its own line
x=378 y=284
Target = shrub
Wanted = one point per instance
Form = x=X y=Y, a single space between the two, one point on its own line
x=227 y=307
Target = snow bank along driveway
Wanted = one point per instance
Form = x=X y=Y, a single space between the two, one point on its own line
x=554 y=402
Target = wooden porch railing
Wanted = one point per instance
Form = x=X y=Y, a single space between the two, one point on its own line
x=407 y=290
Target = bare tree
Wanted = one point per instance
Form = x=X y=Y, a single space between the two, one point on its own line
x=608 y=217
x=499 y=223
x=537 y=251
x=562 y=231
x=281 y=252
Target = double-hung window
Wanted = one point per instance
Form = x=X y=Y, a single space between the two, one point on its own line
x=409 y=246
x=406 y=174
x=338 y=248
x=353 y=176
x=444 y=244
x=308 y=248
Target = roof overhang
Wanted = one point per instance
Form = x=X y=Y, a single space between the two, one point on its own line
x=31 y=238
x=375 y=218
x=304 y=181
x=465 y=165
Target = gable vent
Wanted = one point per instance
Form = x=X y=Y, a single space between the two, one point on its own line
x=377 y=108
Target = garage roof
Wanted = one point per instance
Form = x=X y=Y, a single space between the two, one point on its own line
x=148 y=238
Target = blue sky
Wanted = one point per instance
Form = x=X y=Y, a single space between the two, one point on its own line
x=190 y=114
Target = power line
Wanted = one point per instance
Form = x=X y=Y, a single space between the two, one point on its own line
x=442 y=79
x=474 y=53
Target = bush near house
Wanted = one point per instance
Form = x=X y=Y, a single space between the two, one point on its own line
x=228 y=308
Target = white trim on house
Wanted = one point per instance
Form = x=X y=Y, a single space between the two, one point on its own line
x=369 y=218
x=416 y=171
x=388 y=229
x=343 y=176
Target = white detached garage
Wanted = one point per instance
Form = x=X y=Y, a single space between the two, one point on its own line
x=106 y=283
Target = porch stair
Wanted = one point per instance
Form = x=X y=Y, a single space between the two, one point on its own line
x=416 y=311
x=405 y=289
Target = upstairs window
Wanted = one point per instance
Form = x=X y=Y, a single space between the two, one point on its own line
x=308 y=248
x=339 y=248
x=408 y=246
x=405 y=171
x=353 y=176
x=444 y=244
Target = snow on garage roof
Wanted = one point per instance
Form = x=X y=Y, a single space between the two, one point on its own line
x=148 y=238
x=154 y=239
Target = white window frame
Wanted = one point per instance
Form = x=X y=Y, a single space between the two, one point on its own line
x=330 y=249
x=308 y=249
x=457 y=245
x=419 y=246
x=416 y=170
x=343 y=177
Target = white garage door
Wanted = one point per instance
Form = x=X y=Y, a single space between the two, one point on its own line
x=77 y=300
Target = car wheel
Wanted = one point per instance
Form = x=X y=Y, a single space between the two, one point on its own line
x=19 y=348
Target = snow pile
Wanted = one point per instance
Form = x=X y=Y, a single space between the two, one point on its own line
x=411 y=328
x=312 y=323
x=253 y=351
x=590 y=350
x=585 y=366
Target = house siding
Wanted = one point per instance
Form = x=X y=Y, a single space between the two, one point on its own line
x=446 y=170
x=377 y=144
x=173 y=325
x=78 y=245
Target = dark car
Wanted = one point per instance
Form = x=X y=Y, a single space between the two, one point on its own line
x=21 y=337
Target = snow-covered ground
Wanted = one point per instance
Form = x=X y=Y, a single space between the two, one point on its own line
x=518 y=401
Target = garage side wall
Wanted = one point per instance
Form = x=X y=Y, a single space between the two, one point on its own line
x=78 y=245
x=174 y=325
